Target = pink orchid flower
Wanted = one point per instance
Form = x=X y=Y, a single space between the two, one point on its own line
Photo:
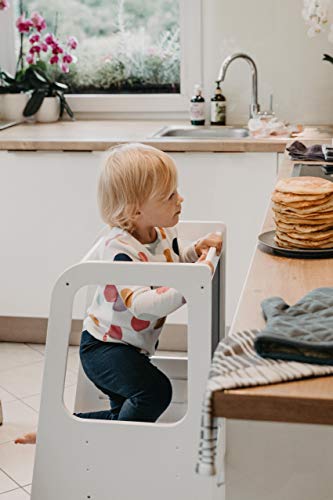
x=67 y=58
x=64 y=68
x=38 y=21
x=34 y=38
x=50 y=39
x=35 y=49
x=44 y=47
x=54 y=59
x=4 y=4
x=72 y=42
x=23 y=24
x=30 y=59
x=56 y=49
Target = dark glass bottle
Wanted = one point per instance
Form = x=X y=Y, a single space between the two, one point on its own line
x=218 y=107
x=197 y=107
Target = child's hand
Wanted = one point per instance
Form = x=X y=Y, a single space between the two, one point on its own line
x=210 y=240
x=202 y=259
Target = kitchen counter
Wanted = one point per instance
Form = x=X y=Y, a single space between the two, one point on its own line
x=100 y=135
x=304 y=401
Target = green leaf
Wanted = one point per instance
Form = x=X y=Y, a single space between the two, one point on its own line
x=62 y=108
x=34 y=103
x=65 y=105
x=35 y=78
x=41 y=65
x=60 y=86
x=7 y=77
x=328 y=58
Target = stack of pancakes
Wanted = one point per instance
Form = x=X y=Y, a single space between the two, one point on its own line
x=303 y=212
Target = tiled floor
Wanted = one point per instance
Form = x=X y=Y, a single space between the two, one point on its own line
x=21 y=369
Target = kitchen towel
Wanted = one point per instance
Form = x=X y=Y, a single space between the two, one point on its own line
x=236 y=364
x=298 y=151
x=302 y=332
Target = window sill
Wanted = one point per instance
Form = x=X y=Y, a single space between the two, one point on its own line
x=127 y=102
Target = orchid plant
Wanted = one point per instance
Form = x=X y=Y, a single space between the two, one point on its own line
x=316 y=14
x=41 y=59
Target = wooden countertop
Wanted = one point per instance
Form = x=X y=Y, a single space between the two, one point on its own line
x=304 y=401
x=100 y=135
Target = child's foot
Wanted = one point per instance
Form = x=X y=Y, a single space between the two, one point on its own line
x=26 y=439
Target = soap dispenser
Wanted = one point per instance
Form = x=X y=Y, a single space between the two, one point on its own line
x=218 y=107
x=197 y=107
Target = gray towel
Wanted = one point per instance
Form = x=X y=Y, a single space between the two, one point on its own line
x=298 y=151
x=302 y=332
x=236 y=364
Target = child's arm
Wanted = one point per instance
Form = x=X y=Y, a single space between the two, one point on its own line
x=145 y=303
x=200 y=247
x=188 y=253
x=142 y=301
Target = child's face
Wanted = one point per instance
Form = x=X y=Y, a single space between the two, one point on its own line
x=163 y=213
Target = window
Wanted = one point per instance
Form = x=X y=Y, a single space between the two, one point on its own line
x=133 y=55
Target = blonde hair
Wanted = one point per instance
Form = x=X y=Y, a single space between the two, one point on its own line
x=132 y=174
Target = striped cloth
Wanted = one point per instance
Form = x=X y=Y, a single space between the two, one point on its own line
x=236 y=364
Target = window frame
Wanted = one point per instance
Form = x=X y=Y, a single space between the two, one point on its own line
x=122 y=105
x=7 y=39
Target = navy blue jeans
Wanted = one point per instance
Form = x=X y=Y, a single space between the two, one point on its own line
x=138 y=391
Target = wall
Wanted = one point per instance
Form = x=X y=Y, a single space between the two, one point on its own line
x=6 y=39
x=289 y=63
x=274 y=34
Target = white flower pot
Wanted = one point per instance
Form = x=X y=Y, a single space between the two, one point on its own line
x=13 y=106
x=49 y=110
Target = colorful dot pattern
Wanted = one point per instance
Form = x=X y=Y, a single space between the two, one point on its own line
x=175 y=246
x=111 y=312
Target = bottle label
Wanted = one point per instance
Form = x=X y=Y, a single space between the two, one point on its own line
x=218 y=112
x=197 y=111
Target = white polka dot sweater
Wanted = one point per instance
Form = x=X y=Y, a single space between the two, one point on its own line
x=131 y=314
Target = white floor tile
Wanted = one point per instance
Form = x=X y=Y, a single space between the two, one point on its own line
x=23 y=381
x=32 y=401
x=73 y=362
x=73 y=349
x=18 y=419
x=5 y=396
x=71 y=378
x=18 y=494
x=14 y=354
x=69 y=399
x=41 y=348
x=17 y=461
x=37 y=347
x=6 y=484
x=73 y=359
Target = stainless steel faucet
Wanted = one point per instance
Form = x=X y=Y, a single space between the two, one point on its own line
x=254 y=107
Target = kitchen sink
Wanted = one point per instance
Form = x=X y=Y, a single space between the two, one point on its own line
x=198 y=132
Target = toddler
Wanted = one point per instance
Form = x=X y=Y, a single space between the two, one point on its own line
x=139 y=201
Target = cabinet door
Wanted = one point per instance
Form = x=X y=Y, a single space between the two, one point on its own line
x=49 y=219
x=233 y=188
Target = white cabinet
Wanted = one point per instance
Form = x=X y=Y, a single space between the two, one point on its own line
x=49 y=218
x=233 y=188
